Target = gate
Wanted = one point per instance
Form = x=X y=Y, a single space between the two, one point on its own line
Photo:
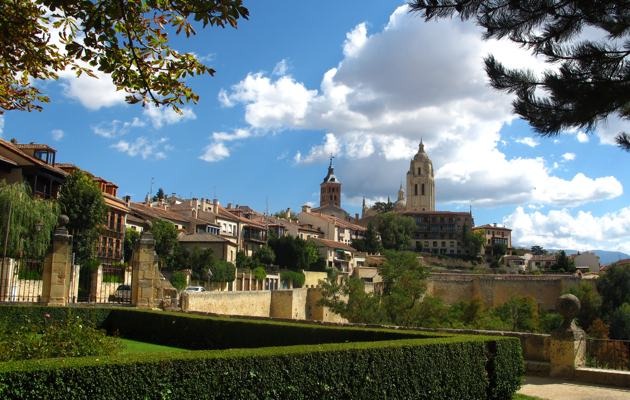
x=106 y=283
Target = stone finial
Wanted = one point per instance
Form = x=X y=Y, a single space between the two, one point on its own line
x=62 y=221
x=147 y=225
x=568 y=306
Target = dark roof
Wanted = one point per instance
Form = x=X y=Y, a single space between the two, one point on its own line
x=488 y=226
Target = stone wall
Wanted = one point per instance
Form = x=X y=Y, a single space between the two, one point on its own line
x=299 y=304
x=495 y=290
x=254 y=303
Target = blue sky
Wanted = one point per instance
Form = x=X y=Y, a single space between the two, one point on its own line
x=365 y=81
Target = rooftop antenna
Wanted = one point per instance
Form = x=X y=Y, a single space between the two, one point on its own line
x=151 y=187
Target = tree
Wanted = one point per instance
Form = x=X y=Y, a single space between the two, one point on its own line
x=538 y=250
x=620 y=322
x=614 y=286
x=159 y=195
x=371 y=244
x=590 y=303
x=473 y=241
x=127 y=39
x=521 y=313
x=222 y=271
x=82 y=201
x=294 y=253
x=593 y=78
x=264 y=255
x=243 y=261
x=396 y=230
x=165 y=236
x=131 y=238
x=26 y=222
x=563 y=263
x=383 y=207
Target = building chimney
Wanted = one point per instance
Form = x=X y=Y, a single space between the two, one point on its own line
x=289 y=213
x=229 y=205
x=495 y=224
x=306 y=208
x=356 y=217
x=127 y=200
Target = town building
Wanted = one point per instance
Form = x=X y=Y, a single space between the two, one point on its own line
x=497 y=240
x=420 y=183
x=586 y=261
x=33 y=164
x=330 y=195
x=331 y=227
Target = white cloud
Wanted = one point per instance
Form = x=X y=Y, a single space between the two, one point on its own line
x=116 y=128
x=281 y=68
x=160 y=116
x=568 y=156
x=582 y=137
x=144 y=148
x=562 y=229
x=57 y=134
x=92 y=93
x=396 y=87
x=527 y=141
x=215 y=152
x=355 y=40
x=238 y=134
x=1 y=124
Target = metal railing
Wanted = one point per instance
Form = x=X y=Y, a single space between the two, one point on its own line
x=21 y=280
x=608 y=354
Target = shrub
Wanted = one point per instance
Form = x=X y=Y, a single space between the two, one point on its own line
x=296 y=278
x=178 y=280
x=259 y=273
x=322 y=363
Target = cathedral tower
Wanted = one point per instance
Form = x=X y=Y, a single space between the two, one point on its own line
x=330 y=189
x=420 y=183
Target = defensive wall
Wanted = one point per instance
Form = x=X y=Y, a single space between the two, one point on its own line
x=302 y=304
x=495 y=290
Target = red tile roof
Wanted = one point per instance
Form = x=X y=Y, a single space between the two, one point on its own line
x=332 y=244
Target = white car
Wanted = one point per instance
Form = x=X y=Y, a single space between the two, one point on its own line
x=195 y=289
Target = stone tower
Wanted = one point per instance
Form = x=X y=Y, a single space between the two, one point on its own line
x=420 y=183
x=330 y=189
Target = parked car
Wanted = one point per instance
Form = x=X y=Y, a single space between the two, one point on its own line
x=122 y=294
x=195 y=289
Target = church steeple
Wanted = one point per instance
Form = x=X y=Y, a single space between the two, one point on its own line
x=420 y=183
x=330 y=188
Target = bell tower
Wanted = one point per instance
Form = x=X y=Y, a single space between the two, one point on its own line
x=330 y=188
x=420 y=183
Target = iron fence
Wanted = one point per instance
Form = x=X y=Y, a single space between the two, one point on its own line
x=608 y=354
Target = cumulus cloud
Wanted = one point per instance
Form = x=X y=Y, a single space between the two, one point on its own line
x=160 y=116
x=582 y=137
x=395 y=87
x=214 y=152
x=92 y=93
x=57 y=134
x=116 y=128
x=568 y=156
x=563 y=229
x=144 y=147
x=528 y=141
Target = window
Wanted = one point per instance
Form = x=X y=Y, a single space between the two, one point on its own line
x=419 y=171
x=423 y=189
x=415 y=189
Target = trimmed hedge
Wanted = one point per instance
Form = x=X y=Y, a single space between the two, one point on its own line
x=412 y=367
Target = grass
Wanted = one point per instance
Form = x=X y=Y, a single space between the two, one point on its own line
x=133 y=347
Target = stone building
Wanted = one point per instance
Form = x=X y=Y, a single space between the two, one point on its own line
x=420 y=182
x=330 y=195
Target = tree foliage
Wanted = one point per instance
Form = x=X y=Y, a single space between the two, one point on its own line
x=371 y=243
x=131 y=238
x=264 y=255
x=294 y=253
x=383 y=207
x=396 y=230
x=614 y=286
x=128 y=39
x=593 y=78
x=222 y=271
x=563 y=263
x=538 y=250
x=25 y=222
x=165 y=236
x=82 y=201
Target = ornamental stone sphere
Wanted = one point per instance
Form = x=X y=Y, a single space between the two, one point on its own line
x=62 y=220
x=147 y=225
x=568 y=306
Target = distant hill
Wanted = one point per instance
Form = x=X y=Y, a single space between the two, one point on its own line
x=605 y=257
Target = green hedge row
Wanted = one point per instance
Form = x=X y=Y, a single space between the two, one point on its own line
x=198 y=332
x=411 y=367
x=444 y=368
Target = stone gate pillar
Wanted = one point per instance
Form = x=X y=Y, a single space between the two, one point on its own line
x=57 y=274
x=145 y=276
x=567 y=347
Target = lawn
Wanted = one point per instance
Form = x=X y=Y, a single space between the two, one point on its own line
x=133 y=346
x=519 y=396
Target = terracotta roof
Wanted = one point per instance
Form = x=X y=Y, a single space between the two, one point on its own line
x=488 y=226
x=308 y=228
x=339 y=222
x=132 y=219
x=7 y=161
x=34 y=146
x=115 y=202
x=16 y=150
x=201 y=238
x=156 y=212
x=332 y=244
